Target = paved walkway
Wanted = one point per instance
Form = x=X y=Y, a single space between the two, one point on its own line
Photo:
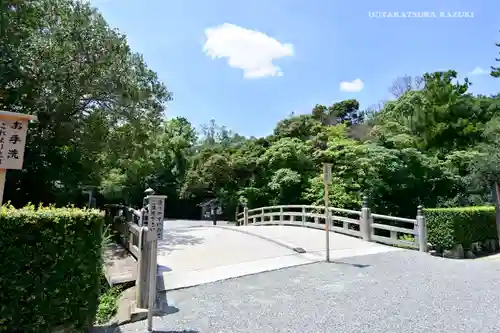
x=314 y=241
x=190 y=256
x=400 y=291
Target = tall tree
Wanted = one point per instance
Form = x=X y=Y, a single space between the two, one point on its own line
x=406 y=83
x=495 y=71
x=93 y=97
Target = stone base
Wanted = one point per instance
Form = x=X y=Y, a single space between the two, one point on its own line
x=477 y=249
x=127 y=311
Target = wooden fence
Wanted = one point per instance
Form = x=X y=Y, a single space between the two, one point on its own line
x=137 y=241
x=385 y=229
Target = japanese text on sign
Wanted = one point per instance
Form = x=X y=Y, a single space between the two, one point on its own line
x=12 y=143
x=156 y=216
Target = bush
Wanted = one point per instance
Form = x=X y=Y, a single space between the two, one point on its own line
x=50 y=268
x=447 y=227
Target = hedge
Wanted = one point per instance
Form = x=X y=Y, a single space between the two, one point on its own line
x=50 y=268
x=447 y=227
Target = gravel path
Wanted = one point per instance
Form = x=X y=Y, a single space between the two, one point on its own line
x=396 y=292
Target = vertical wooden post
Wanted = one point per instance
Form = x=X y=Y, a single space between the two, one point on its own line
x=245 y=215
x=3 y=173
x=365 y=220
x=422 y=230
x=303 y=215
x=281 y=215
x=143 y=264
x=496 y=195
x=327 y=179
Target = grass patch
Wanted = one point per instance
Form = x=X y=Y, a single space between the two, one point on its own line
x=108 y=302
x=108 y=299
x=406 y=238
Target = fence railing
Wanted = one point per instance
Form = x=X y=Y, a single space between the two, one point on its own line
x=385 y=229
x=138 y=241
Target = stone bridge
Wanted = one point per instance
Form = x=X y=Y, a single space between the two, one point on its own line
x=263 y=239
x=270 y=238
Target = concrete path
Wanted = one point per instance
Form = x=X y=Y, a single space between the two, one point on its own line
x=198 y=255
x=190 y=256
x=395 y=292
x=314 y=241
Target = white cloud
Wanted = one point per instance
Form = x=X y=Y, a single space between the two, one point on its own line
x=479 y=71
x=352 y=86
x=250 y=50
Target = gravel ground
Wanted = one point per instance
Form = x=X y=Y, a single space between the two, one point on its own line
x=396 y=292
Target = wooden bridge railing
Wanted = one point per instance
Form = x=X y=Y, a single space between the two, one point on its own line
x=137 y=241
x=385 y=229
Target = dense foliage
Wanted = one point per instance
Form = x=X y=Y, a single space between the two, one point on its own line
x=51 y=268
x=102 y=123
x=460 y=225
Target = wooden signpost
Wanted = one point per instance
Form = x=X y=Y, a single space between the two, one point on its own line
x=327 y=180
x=13 y=129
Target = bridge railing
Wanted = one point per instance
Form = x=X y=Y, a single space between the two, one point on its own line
x=137 y=241
x=138 y=231
x=385 y=229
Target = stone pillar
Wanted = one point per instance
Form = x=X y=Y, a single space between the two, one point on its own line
x=422 y=230
x=365 y=220
x=245 y=215
x=143 y=269
x=303 y=215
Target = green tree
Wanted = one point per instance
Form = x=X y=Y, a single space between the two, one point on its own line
x=96 y=101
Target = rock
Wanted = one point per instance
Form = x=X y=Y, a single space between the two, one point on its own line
x=494 y=245
x=470 y=255
x=485 y=246
x=448 y=254
x=430 y=247
x=476 y=247
x=434 y=253
x=458 y=251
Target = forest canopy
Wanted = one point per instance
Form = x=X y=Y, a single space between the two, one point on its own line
x=102 y=123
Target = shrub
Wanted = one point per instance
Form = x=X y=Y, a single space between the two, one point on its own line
x=51 y=265
x=447 y=227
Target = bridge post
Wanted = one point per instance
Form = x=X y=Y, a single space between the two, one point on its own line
x=152 y=215
x=245 y=215
x=303 y=215
x=143 y=269
x=422 y=230
x=281 y=215
x=365 y=221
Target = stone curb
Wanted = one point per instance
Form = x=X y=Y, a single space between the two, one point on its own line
x=279 y=243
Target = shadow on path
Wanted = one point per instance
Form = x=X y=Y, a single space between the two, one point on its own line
x=349 y=264
x=119 y=330
x=173 y=239
x=183 y=331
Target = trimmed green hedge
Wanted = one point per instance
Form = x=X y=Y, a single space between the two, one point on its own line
x=50 y=268
x=460 y=225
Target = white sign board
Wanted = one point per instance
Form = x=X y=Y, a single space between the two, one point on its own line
x=327 y=173
x=156 y=211
x=12 y=142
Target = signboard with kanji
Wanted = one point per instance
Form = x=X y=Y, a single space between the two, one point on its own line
x=13 y=129
x=12 y=142
x=156 y=211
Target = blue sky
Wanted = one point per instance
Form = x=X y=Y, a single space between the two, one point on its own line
x=317 y=44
